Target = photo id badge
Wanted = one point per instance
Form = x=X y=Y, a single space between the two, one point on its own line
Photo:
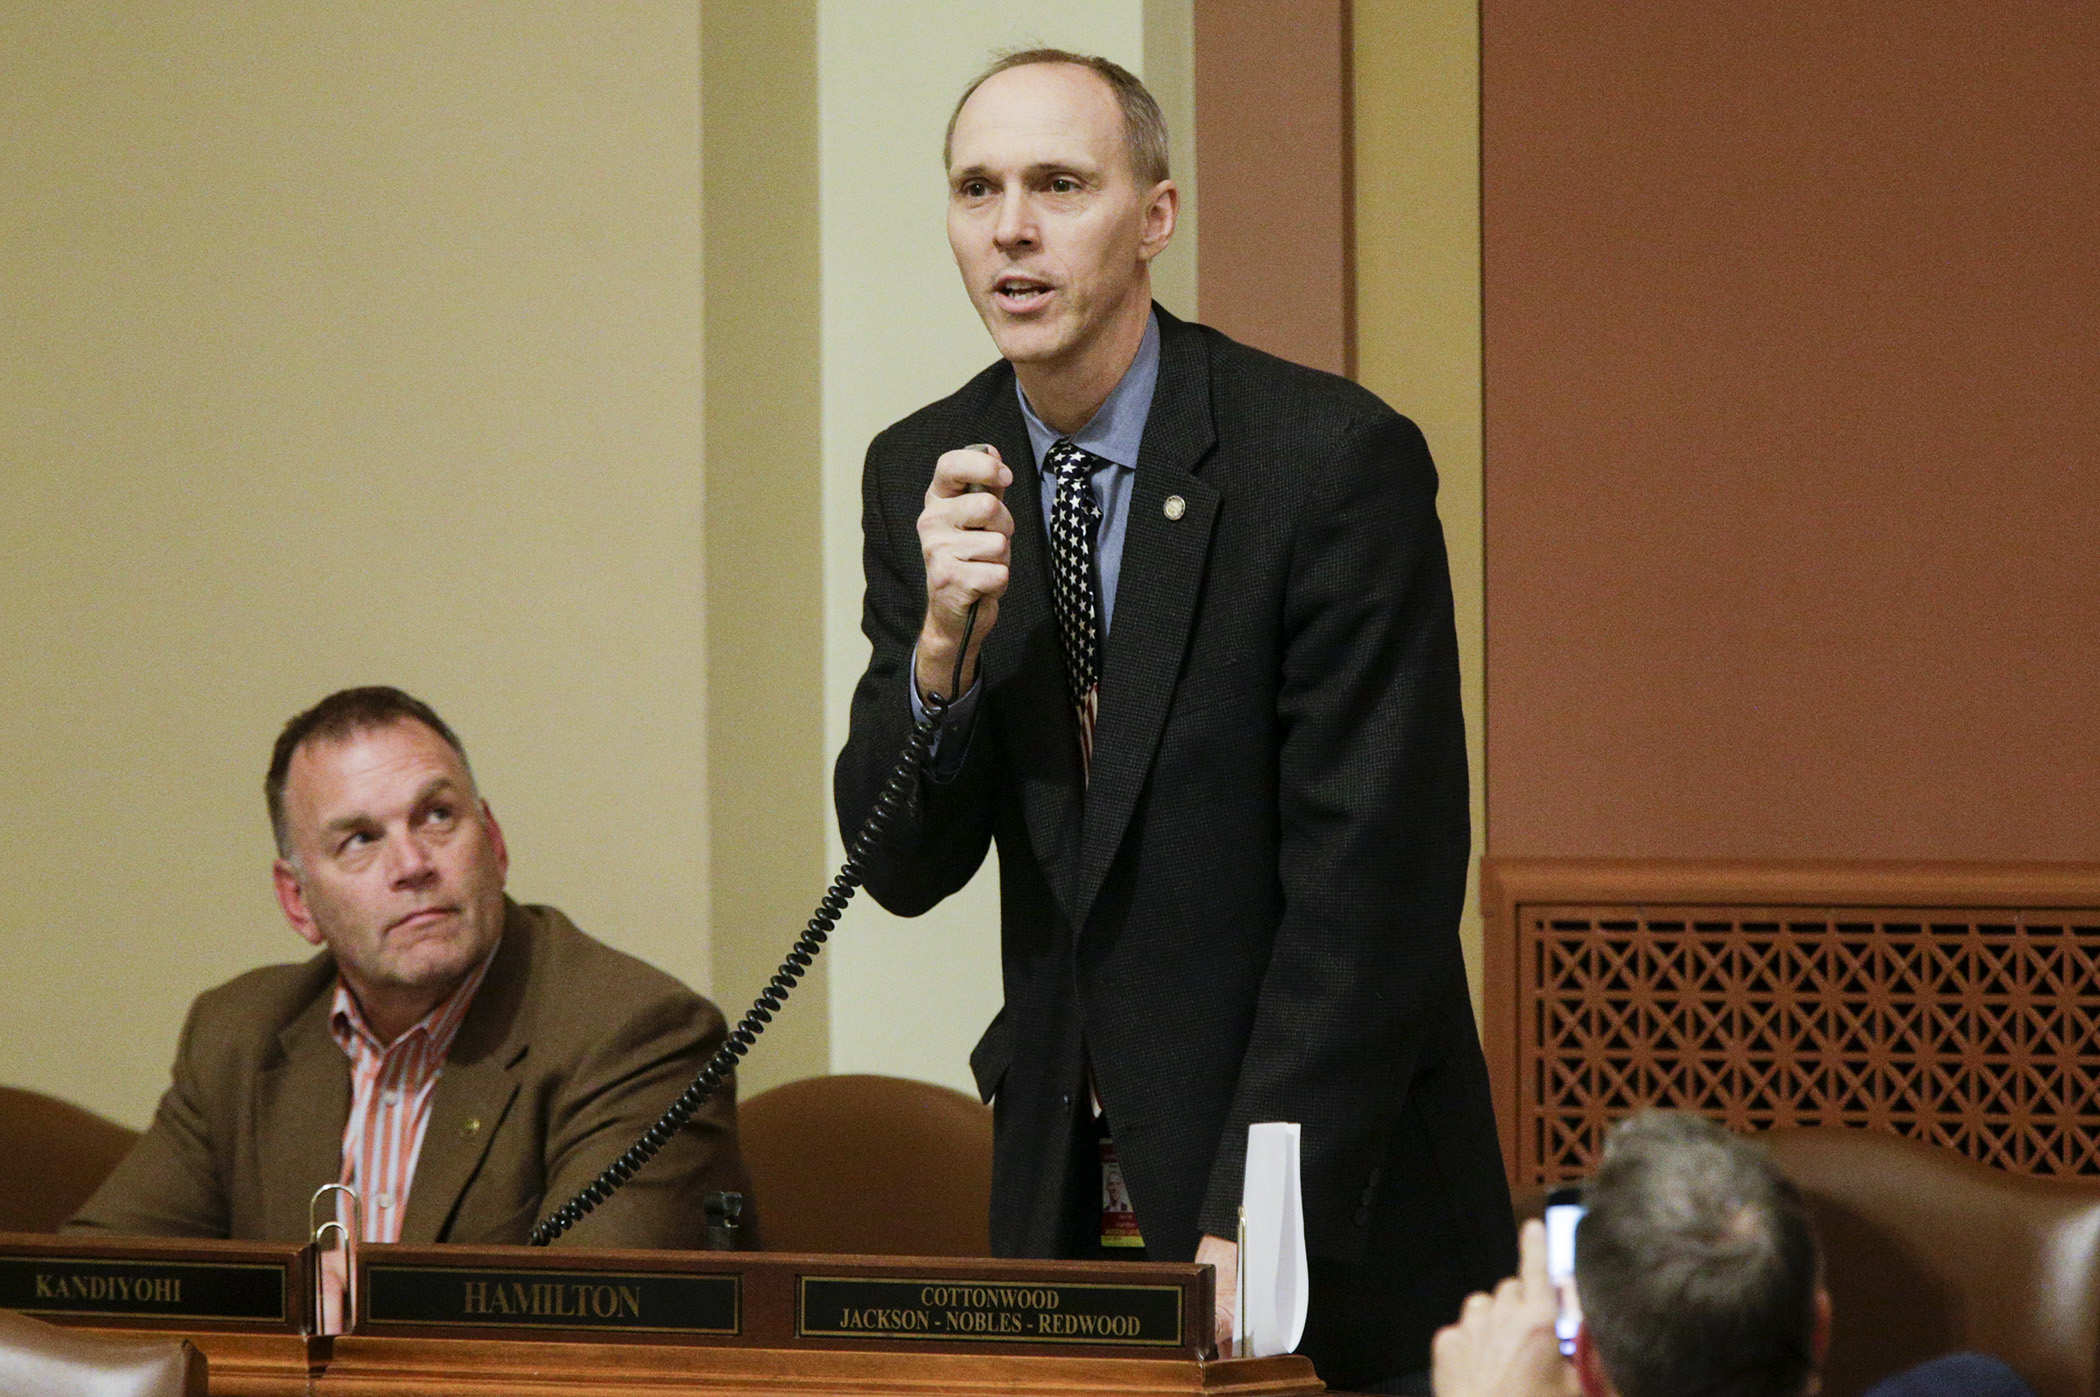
x=1119 y=1225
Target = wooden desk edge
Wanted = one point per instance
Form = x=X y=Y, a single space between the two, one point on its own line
x=279 y=1365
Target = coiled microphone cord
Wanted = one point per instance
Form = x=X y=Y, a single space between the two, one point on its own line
x=896 y=791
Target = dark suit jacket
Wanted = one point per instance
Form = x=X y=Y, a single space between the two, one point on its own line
x=568 y=1052
x=1252 y=913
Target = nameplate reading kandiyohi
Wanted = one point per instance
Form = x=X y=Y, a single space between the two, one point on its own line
x=1048 y=1312
x=634 y=1302
x=172 y=1289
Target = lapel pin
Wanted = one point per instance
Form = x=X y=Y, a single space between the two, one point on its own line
x=471 y=1128
x=1175 y=507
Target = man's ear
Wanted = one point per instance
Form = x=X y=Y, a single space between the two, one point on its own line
x=1162 y=208
x=292 y=898
x=488 y=816
x=1589 y=1367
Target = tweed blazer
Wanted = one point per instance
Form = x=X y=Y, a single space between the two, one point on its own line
x=1250 y=912
x=569 y=1050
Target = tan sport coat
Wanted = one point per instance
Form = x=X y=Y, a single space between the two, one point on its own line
x=568 y=1052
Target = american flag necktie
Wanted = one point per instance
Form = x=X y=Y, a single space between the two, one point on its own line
x=1075 y=519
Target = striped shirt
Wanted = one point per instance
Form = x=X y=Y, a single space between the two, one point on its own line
x=390 y=1092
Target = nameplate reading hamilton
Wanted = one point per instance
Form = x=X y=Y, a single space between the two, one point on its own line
x=1041 y=1312
x=194 y=1290
x=651 y=1302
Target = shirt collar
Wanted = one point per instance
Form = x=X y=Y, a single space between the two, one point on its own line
x=346 y=1019
x=1117 y=427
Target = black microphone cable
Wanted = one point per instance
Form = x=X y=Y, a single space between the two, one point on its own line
x=896 y=792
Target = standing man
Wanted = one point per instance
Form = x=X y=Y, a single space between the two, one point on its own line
x=1209 y=711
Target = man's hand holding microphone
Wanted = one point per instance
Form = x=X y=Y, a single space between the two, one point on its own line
x=966 y=539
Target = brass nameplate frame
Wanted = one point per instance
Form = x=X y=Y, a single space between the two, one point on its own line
x=782 y=1300
x=989 y=1311
x=157 y=1282
x=543 y=1297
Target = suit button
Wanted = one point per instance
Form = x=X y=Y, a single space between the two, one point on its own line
x=1363 y=1217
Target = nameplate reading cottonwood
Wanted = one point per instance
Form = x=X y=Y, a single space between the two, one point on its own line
x=637 y=1302
x=136 y=1279
x=1040 y=1312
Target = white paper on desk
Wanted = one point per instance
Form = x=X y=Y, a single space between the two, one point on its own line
x=1277 y=1285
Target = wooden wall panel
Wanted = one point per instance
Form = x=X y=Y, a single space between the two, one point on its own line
x=1272 y=151
x=1792 y=327
x=1950 y=1003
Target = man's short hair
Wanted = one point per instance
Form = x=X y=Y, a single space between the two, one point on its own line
x=1697 y=1265
x=334 y=718
x=1144 y=129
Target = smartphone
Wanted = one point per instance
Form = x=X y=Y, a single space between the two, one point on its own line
x=1564 y=1209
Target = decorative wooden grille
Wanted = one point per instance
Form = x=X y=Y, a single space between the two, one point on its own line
x=1973 y=1027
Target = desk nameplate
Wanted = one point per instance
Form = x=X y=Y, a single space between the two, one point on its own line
x=1035 y=1311
x=781 y=1300
x=541 y=1298
x=154 y=1282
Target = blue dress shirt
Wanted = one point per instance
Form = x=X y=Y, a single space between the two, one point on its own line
x=1113 y=433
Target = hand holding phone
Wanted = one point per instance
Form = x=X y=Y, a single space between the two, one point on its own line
x=1505 y=1341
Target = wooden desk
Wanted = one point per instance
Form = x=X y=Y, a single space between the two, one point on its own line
x=943 y=1327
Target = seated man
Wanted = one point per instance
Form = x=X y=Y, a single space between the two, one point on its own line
x=464 y=1062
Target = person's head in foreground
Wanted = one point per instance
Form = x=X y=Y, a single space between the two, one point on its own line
x=1697 y=1267
x=1699 y=1276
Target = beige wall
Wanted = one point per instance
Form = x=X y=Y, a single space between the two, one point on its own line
x=343 y=347
x=1418 y=295
x=339 y=344
x=1170 y=75
x=769 y=802
x=850 y=346
x=879 y=329
x=1272 y=82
